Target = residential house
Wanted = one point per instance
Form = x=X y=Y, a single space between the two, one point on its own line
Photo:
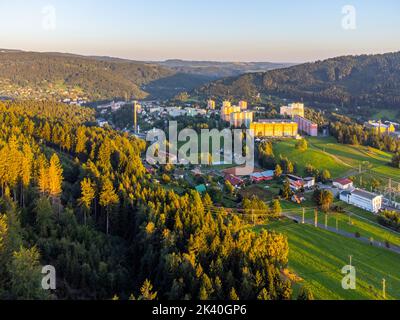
x=343 y=184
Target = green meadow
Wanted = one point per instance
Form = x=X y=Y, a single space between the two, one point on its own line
x=339 y=159
x=317 y=256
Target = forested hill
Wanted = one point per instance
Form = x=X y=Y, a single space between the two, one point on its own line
x=216 y=69
x=64 y=75
x=77 y=197
x=372 y=80
x=59 y=76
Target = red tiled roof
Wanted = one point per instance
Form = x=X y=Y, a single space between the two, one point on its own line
x=343 y=181
x=235 y=181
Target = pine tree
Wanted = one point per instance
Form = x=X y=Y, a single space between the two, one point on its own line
x=146 y=291
x=305 y=294
x=233 y=295
x=278 y=171
x=88 y=193
x=263 y=295
x=43 y=178
x=81 y=140
x=55 y=176
x=108 y=198
x=275 y=208
x=26 y=170
x=286 y=192
x=25 y=275
x=3 y=231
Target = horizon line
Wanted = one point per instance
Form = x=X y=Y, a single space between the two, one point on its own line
x=185 y=59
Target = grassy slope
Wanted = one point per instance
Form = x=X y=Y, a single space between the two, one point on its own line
x=356 y=220
x=339 y=159
x=355 y=155
x=318 y=256
x=313 y=155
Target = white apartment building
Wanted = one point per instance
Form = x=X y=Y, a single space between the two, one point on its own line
x=363 y=199
x=292 y=110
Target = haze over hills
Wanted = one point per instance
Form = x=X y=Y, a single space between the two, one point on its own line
x=63 y=75
x=372 y=80
x=221 y=69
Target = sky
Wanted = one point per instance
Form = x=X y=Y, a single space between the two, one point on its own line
x=218 y=30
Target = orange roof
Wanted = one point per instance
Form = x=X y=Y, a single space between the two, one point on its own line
x=343 y=181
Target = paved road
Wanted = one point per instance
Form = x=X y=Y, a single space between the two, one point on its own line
x=377 y=244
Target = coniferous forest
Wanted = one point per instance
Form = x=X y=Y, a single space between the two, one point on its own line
x=77 y=197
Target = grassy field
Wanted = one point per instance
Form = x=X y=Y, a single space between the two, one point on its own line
x=261 y=191
x=318 y=256
x=313 y=156
x=339 y=159
x=355 y=220
x=375 y=160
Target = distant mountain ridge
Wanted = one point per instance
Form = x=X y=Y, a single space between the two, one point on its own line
x=221 y=69
x=372 y=80
x=62 y=75
x=42 y=73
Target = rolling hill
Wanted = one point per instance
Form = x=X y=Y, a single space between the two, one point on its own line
x=214 y=69
x=366 y=80
x=53 y=74
x=63 y=75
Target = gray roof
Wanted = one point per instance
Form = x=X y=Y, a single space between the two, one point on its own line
x=365 y=194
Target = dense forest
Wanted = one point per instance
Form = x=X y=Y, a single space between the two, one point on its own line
x=98 y=79
x=372 y=80
x=216 y=69
x=102 y=78
x=78 y=197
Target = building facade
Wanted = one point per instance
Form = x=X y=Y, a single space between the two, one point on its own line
x=343 y=184
x=238 y=119
x=293 y=109
x=227 y=110
x=306 y=126
x=243 y=105
x=226 y=104
x=275 y=128
x=380 y=127
x=211 y=104
x=363 y=199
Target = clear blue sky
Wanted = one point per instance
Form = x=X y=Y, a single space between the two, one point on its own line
x=235 y=30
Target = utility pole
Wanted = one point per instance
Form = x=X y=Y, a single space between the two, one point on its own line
x=303 y=220
x=136 y=109
x=316 y=218
x=384 y=288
